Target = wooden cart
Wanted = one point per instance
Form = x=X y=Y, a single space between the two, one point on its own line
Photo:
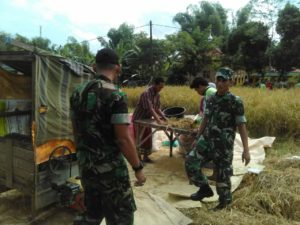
x=172 y=133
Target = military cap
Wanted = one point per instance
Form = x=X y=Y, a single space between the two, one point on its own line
x=225 y=72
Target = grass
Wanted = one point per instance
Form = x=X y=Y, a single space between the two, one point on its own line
x=269 y=113
x=272 y=197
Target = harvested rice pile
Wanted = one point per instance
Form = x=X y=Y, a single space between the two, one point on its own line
x=272 y=197
x=182 y=123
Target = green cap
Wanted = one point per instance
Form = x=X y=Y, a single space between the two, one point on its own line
x=225 y=72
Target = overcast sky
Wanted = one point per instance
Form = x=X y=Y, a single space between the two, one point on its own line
x=87 y=19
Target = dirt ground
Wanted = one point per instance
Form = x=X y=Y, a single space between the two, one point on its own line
x=272 y=197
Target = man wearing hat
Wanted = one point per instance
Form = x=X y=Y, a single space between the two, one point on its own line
x=101 y=128
x=215 y=139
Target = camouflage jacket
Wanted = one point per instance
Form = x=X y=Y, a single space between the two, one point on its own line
x=95 y=107
x=224 y=113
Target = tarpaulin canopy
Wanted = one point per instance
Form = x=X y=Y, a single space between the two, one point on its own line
x=55 y=79
x=49 y=81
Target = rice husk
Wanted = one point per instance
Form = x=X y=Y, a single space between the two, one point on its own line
x=272 y=197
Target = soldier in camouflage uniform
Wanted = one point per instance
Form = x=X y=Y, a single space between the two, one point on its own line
x=100 y=121
x=223 y=113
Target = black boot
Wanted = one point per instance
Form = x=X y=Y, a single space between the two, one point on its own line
x=220 y=206
x=85 y=220
x=204 y=192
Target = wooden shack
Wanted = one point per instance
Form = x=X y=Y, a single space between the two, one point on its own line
x=36 y=138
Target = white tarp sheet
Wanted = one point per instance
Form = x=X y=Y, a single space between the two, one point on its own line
x=166 y=177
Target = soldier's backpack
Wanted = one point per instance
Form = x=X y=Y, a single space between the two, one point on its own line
x=79 y=99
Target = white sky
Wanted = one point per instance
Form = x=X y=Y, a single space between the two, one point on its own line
x=88 y=19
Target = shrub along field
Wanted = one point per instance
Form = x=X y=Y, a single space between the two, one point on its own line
x=273 y=196
x=269 y=113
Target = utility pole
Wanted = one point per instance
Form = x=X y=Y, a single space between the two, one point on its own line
x=40 y=31
x=151 y=50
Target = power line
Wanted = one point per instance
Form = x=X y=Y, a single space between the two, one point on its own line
x=145 y=25
x=166 y=26
x=142 y=26
x=96 y=38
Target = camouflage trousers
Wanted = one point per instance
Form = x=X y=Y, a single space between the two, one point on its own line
x=108 y=195
x=221 y=154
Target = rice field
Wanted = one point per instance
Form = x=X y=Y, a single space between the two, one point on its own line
x=269 y=113
x=272 y=197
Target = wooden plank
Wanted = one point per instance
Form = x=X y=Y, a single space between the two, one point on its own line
x=8 y=163
x=22 y=183
x=22 y=164
x=42 y=177
x=2 y=146
x=26 y=155
x=23 y=58
x=24 y=144
x=15 y=113
x=43 y=199
x=171 y=132
x=2 y=158
x=2 y=172
x=153 y=124
x=29 y=177
x=43 y=216
x=2 y=180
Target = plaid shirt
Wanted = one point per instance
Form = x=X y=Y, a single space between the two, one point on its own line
x=148 y=99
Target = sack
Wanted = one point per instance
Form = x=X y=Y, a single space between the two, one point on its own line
x=186 y=142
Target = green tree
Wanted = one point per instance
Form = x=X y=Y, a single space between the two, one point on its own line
x=266 y=11
x=120 y=40
x=42 y=43
x=3 y=40
x=134 y=51
x=123 y=41
x=288 y=23
x=287 y=53
x=74 y=50
x=205 y=15
x=243 y=15
x=247 y=45
x=189 y=53
x=203 y=28
x=137 y=60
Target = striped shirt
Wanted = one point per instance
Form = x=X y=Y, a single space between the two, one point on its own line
x=148 y=99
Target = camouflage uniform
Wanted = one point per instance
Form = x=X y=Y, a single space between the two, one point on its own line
x=95 y=107
x=224 y=113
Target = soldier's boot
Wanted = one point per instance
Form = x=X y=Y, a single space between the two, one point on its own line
x=221 y=205
x=85 y=220
x=204 y=192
